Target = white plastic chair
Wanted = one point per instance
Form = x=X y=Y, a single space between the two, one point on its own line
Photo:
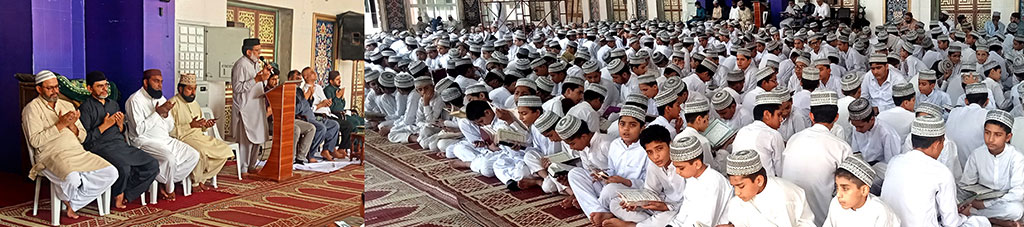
x=102 y=202
x=215 y=130
x=187 y=183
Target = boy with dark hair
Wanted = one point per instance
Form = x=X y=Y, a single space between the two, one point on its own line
x=921 y=190
x=998 y=166
x=696 y=113
x=899 y=118
x=813 y=152
x=763 y=136
x=587 y=182
x=761 y=198
x=668 y=110
x=877 y=142
x=969 y=121
x=479 y=150
x=854 y=205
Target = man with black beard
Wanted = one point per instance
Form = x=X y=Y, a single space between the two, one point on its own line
x=189 y=126
x=104 y=124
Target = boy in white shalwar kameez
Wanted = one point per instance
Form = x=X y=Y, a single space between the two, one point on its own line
x=811 y=154
x=658 y=178
x=999 y=166
x=707 y=192
x=950 y=154
x=762 y=135
x=921 y=190
x=761 y=199
x=696 y=112
x=546 y=142
x=480 y=155
x=593 y=149
x=854 y=205
x=510 y=167
x=149 y=126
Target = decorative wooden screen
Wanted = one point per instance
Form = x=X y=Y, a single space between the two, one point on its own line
x=536 y=11
x=977 y=11
x=262 y=24
x=358 y=87
x=619 y=11
x=673 y=10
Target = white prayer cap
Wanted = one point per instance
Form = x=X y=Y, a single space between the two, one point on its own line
x=928 y=108
x=567 y=126
x=450 y=94
x=546 y=121
x=664 y=97
x=423 y=81
x=614 y=66
x=767 y=98
x=744 y=162
x=537 y=63
x=416 y=66
x=635 y=112
x=721 y=99
x=1000 y=116
x=589 y=67
x=529 y=101
x=927 y=74
x=822 y=61
x=371 y=75
x=811 y=73
x=526 y=82
x=735 y=75
x=976 y=88
x=476 y=88
x=903 y=90
x=557 y=67
x=574 y=80
x=860 y=169
x=545 y=84
x=636 y=59
x=673 y=84
x=928 y=126
x=44 y=76
x=443 y=83
x=877 y=58
x=709 y=64
x=696 y=104
x=387 y=79
x=823 y=97
x=860 y=109
x=646 y=78
x=597 y=88
x=403 y=80
x=684 y=148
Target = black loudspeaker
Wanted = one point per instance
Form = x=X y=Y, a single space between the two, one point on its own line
x=350 y=36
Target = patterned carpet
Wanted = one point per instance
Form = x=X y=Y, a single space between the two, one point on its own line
x=310 y=199
x=409 y=186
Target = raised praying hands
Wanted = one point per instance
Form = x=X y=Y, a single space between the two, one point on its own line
x=165 y=108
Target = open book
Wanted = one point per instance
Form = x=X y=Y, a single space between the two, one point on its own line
x=979 y=192
x=563 y=157
x=638 y=197
x=557 y=169
x=718 y=132
x=508 y=137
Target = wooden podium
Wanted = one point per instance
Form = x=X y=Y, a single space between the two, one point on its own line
x=282 y=153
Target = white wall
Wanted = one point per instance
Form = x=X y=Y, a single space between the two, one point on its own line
x=202 y=12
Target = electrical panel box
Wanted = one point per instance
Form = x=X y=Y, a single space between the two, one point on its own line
x=223 y=47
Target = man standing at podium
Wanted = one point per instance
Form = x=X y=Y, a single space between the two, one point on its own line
x=248 y=107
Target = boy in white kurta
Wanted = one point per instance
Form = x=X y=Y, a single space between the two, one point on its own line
x=626 y=166
x=761 y=199
x=546 y=142
x=999 y=166
x=707 y=192
x=762 y=135
x=813 y=152
x=659 y=178
x=921 y=190
x=696 y=112
x=593 y=149
x=876 y=141
x=149 y=126
x=854 y=205
x=900 y=117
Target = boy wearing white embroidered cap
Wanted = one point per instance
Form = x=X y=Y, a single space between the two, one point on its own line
x=811 y=153
x=919 y=189
x=762 y=198
x=899 y=118
x=854 y=205
x=998 y=166
x=696 y=112
x=763 y=136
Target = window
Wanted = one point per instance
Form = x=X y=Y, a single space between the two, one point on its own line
x=508 y=11
x=371 y=9
x=536 y=11
x=976 y=11
x=673 y=10
x=430 y=9
x=619 y=11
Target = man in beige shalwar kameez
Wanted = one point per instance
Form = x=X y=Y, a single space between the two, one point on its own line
x=56 y=134
x=189 y=127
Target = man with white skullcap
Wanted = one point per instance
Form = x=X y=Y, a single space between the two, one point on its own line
x=811 y=153
x=920 y=189
x=762 y=198
x=55 y=134
x=998 y=166
x=877 y=83
x=854 y=205
x=969 y=121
